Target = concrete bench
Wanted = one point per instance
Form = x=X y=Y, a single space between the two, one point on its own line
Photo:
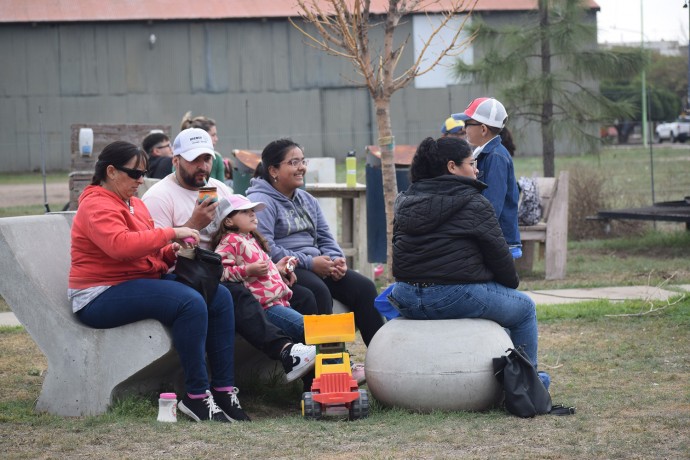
x=551 y=231
x=87 y=368
x=427 y=365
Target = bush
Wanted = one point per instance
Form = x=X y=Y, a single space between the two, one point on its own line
x=589 y=192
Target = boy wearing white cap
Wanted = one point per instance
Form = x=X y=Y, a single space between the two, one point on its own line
x=484 y=119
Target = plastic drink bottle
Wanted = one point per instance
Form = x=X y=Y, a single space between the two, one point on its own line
x=351 y=169
x=167 y=407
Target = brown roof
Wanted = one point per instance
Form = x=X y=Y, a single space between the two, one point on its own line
x=161 y=10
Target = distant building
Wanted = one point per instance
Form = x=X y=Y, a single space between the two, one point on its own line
x=665 y=48
x=239 y=62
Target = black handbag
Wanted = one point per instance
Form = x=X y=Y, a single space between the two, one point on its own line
x=202 y=273
x=524 y=392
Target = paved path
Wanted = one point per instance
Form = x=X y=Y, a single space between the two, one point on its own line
x=31 y=194
x=547 y=297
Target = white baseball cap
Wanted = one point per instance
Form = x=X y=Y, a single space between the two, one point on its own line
x=191 y=143
x=239 y=203
x=486 y=110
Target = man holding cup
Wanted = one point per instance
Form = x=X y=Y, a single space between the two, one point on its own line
x=185 y=198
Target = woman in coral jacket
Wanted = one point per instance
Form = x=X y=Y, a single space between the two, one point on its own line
x=119 y=275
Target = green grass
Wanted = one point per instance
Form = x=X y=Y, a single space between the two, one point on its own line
x=32 y=178
x=29 y=210
x=628 y=171
x=627 y=376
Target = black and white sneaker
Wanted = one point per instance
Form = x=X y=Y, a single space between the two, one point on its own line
x=297 y=359
x=203 y=409
x=228 y=402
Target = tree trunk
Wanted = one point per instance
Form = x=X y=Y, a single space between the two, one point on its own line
x=386 y=142
x=547 y=138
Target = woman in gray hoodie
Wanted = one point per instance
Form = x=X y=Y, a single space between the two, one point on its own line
x=294 y=225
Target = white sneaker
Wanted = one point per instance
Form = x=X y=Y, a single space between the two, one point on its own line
x=298 y=359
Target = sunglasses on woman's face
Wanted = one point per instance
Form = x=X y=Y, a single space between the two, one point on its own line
x=135 y=174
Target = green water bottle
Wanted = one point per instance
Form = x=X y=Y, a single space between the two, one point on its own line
x=351 y=169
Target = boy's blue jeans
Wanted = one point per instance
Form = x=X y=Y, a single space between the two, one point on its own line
x=508 y=307
x=197 y=330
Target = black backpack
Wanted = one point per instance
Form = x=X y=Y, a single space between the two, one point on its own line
x=524 y=392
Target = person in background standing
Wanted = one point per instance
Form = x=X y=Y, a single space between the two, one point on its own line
x=484 y=119
x=508 y=142
x=453 y=127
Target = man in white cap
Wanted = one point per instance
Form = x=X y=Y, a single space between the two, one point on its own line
x=172 y=201
x=484 y=119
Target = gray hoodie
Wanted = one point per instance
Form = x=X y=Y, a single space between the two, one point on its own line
x=293 y=227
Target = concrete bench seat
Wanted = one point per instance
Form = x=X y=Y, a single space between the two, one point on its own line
x=87 y=368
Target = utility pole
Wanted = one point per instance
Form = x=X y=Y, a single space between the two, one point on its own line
x=644 y=81
x=687 y=102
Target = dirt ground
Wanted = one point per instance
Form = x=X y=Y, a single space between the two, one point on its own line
x=30 y=194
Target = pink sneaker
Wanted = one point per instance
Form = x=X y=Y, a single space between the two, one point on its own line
x=358 y=373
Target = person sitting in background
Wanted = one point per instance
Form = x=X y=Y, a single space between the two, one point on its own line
x=119 y=276
x=450 y=259
x=507 y=141
x=228 y=172
x=157 y=147
x=208 y=125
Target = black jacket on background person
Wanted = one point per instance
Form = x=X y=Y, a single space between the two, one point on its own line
x=446 y=232
x=159 y=167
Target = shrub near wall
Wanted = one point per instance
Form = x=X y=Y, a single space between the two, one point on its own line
x=589 y=192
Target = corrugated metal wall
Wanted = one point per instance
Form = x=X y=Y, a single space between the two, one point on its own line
x=258 y=79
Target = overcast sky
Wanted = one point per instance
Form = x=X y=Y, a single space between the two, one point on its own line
x=619 y=20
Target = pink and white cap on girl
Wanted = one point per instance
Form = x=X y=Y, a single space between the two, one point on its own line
x=238 y=203
x=486 y=110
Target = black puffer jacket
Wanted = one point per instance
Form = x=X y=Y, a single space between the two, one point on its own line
x=446 y=232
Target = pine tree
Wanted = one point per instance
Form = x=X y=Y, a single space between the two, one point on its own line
x=547 y=69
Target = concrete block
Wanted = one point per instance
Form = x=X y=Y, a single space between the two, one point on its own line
x=436 y=364
x=86 y=367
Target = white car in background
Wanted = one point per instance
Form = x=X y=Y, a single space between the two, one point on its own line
x=674 y=131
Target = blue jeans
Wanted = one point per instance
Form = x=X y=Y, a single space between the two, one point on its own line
x=287 y=319
x=510 y=308
x=197 y=330
x=354 y=290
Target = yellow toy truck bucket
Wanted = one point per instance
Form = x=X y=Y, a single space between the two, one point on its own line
x=320 y=329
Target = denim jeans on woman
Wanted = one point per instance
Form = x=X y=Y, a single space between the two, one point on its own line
x=508 y=307
x=197 y=330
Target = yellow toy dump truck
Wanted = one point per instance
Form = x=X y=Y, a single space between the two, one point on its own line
x=333 y=391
